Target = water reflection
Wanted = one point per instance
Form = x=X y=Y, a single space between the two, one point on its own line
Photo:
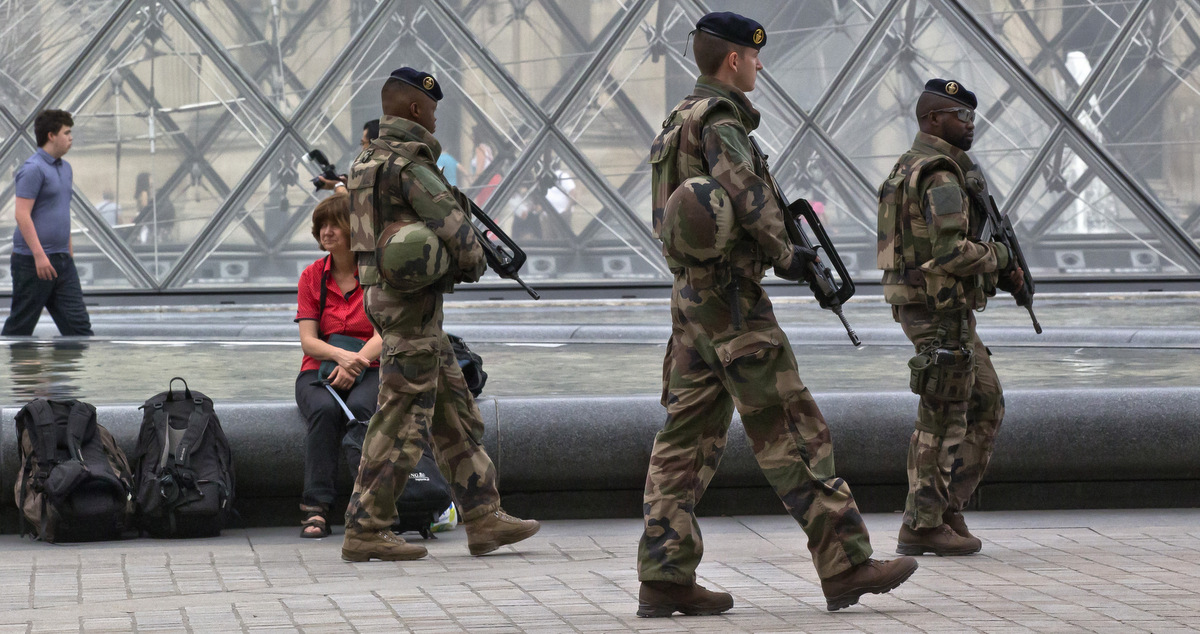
x=45 y=369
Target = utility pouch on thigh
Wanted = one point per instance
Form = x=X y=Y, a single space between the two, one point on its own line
x=941 y=373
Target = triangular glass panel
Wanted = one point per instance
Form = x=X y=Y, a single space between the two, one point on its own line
x=161 y=134
x=1059 y=43
x=39 y=41
x=1146 y=110
x=96 y=268
x=566 y=227
x=808 y=42
x=284 y=48
x=842 y=202
x=1074 y=220
x=614 y=121
x=6 y=128
x=481 y=130
x=545 y=45
x=871 y=117
x=256 y=246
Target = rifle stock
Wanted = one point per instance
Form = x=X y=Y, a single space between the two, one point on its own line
x=504 y=257
x=1000 y=229
x=831 y=292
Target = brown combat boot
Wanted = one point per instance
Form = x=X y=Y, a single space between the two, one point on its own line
x=365 y=545
x=496 y=529
x=956 y=522
x=873 y=576
x=940 y=540
x=663 y=598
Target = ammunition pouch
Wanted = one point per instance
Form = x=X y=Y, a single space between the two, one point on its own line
x=942 y=372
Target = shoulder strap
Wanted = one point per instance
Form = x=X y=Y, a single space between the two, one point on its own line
x=324 y=293
x=45 y=432
x=78 y=421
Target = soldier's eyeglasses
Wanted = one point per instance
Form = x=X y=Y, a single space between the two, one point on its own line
x=966 y=115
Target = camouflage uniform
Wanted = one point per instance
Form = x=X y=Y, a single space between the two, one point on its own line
x=935 y=274
x=714 y=363
x=422 y=393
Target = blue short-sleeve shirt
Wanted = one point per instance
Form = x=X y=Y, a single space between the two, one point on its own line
x=47 y=181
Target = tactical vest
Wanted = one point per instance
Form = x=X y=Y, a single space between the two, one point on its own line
x=676 y=155
x=371 y=180
x=903 y=246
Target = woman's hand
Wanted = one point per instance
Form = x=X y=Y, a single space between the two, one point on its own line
x=351 y=362
x=341 y=379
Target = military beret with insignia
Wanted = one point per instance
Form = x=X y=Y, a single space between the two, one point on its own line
x=735 y=28
x=951 y=89
x=421 y=80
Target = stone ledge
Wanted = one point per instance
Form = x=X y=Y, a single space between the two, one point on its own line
x=550 y=447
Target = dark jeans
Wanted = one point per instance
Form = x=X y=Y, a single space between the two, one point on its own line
x=62 y=296
x=326 y=426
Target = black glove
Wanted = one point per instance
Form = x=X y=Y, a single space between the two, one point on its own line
x=798 y=269
x=1011 y=279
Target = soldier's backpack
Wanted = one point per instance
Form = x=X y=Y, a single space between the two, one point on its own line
x=426 y=495
x=74 y=481
x=470 y=363
x=183 y=467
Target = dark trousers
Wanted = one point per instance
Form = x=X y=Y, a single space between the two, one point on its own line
x=62 y=296
x=326 y=426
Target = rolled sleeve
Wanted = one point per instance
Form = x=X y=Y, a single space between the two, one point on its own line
x=947 y=211
x=436 y=205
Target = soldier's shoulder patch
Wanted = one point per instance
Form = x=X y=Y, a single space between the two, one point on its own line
x=946 y=199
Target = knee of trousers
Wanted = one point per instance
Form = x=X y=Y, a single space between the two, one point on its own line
x=937 y=416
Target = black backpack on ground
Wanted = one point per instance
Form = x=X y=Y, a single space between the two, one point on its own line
x=183 y=467
x=426 y=495
x=470 y=363
x=74 y=481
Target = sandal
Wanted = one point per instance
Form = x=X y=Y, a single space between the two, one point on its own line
x=314 y=517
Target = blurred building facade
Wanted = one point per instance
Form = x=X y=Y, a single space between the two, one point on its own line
x=193 y=118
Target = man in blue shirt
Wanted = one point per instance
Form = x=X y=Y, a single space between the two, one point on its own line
x=43 y=271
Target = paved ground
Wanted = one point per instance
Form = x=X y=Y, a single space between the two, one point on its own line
x=1098 y=571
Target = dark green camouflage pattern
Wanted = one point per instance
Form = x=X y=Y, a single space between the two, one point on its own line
x=953 y=440
x=698 y=227
x=422 y=395
x=714 y=365
x=410 y=256
x=926 y=245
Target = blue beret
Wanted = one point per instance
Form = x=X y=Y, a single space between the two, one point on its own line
x=953 y=90
x=735 y=28
x=421 y=80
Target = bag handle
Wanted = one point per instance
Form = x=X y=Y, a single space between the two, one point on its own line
x=187 y=393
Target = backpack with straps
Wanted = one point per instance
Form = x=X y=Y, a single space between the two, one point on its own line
x=183 y=466
x=74 y=481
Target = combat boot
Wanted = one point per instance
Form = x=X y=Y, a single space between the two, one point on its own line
x=663 y=598
x=384 y=545
x=956 y=522
x=496 y=529
x=940 y=540
x=873 y=576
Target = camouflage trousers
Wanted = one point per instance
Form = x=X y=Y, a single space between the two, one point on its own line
x=423 y=401
x=710 y=368
x=953 y=440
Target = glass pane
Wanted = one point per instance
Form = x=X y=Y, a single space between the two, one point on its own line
x=567 y=230
x=283 y=47
x=38 y=43
x=6 y=129
x=1147 y=110
x=481 y=131
x=1074 y=222
x=808 y=42
x=614 y=121
x=161 y=133
x=544 y=44
x=1059 y=42
x=872 y=117
x=256 y=247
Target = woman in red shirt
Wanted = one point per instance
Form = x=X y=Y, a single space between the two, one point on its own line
x=329 y=301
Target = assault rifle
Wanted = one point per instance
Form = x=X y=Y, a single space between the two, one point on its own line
x=831 y=292
x=502 y=253
x=998 y=227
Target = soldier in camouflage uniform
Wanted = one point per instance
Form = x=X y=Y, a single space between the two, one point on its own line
x=726 y=349
x=936 y=274
x=414 y=243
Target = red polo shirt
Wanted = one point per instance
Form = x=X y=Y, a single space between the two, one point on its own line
x=343 y=313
